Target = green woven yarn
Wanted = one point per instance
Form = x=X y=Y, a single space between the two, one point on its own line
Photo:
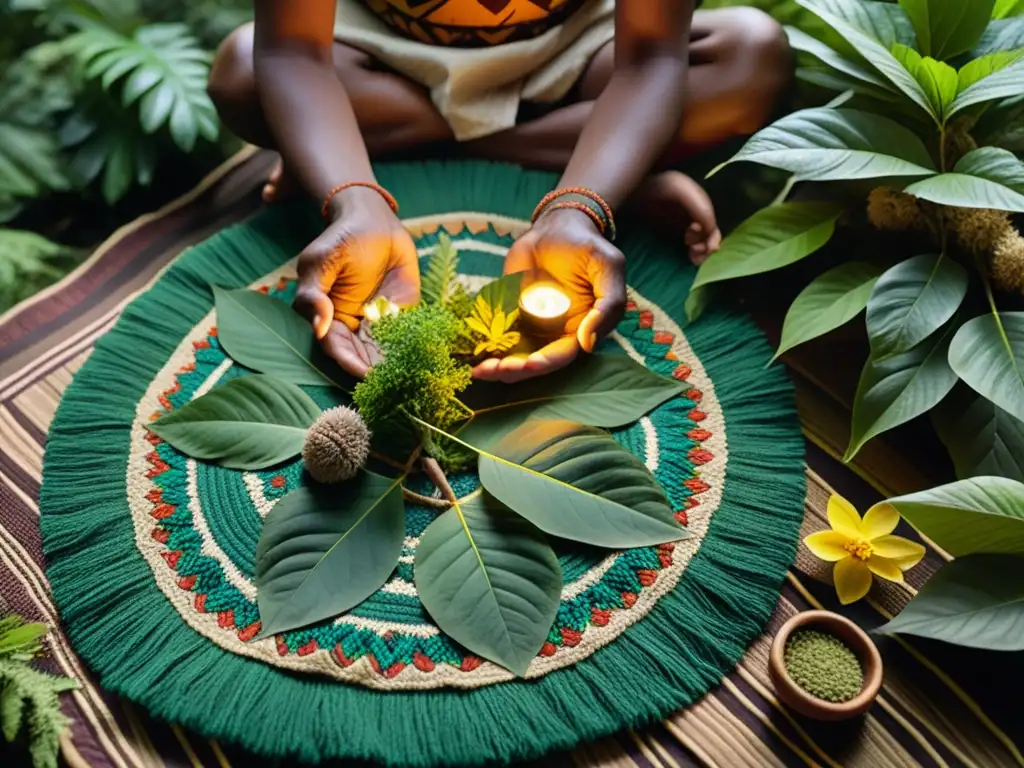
x=125 y=628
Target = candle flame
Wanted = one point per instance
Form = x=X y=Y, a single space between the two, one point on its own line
x=544 y=300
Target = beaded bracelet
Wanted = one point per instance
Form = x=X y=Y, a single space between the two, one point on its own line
x=388 y=197
x=582 y=208
x=586 y=197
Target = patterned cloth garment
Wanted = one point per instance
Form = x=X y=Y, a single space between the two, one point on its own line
x=472 y=23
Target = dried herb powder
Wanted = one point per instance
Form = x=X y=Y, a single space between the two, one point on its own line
x=823 y=666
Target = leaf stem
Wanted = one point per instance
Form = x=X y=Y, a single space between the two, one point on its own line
x=426 y=501
x=436 y=475
x=463 y=406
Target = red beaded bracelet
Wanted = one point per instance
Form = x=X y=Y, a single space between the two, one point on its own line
x=609 y=223
x=388 y=197
x=598 y=221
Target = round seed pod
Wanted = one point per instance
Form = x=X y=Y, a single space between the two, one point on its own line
x=337 y=445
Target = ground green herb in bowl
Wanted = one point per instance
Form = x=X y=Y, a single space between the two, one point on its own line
x=823 y=666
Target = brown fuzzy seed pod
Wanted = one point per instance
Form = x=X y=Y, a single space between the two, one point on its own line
x=1008 y=262
x=893 y=210
x=978 y=230
x=337 y=445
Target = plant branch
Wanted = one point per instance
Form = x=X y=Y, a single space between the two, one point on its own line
x=389 y=461
x=463 y=406
x=436 y=475
x=426 y=501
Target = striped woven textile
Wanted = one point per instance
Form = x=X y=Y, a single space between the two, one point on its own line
x=940 y=706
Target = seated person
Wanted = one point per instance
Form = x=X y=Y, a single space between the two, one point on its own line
x=617 y=89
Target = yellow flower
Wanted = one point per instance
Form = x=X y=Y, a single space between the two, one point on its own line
x=860 y=548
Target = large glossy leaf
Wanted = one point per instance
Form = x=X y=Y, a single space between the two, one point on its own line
x=852 y=20
x=251 y=422
x=772 y=238
x=577 y=483
x=975 y=601
x=980 y=438
x=988 y=354
x=828 y=302
x=323 y=550
x=945 y=29
x=893 y=391
x=911 y=301
x=802 y=42
x=980 y=515
x=987 y=177
x=490 y=581
x=1006 y=8
x=937 y=79
x=270 y=337
x=822 y=144
x=978 y=69
x=598 y=390
x=1002 y=35
x=1003 y=84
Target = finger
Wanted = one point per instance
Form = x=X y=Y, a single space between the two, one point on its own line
x=487 y=370
x=699 y=205
x=402 y=283
x=520 y=256
x=607 y=275
x=339 y=346
x=549 y=359
x=315 y=306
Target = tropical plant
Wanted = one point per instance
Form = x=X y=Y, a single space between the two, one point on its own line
x=485 y=568
x=927 y=127
x=29 y=703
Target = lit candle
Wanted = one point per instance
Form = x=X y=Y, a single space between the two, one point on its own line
x=543 y=309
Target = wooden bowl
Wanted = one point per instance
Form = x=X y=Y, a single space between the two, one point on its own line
x=796 y=698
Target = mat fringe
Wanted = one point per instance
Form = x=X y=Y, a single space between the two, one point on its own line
x=124 y=628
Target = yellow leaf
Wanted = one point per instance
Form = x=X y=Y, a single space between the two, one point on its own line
x=481 y=347
x=483 y=310
x=476 y=325
x=511 y=319
x=498 y=323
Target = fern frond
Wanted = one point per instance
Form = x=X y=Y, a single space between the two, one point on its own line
x=30 y=698
x=163 y=68
x=29 y=262
x=442 y=267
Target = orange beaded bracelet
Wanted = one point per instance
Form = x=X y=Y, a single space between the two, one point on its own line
x=388 y=197
x=598 y=221
x=608 y=219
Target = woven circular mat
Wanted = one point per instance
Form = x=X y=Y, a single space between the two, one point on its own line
x=152 y=553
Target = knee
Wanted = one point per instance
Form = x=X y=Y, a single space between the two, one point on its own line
x=765 y=62
x=232 y=84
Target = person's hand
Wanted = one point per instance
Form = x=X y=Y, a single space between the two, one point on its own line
x=364 y=253
x=566 y=247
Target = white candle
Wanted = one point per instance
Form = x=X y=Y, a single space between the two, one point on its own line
x=543 y=309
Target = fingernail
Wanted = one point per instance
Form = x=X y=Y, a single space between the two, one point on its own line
x=591 y=341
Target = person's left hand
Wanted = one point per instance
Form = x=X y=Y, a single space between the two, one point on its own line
x=566 y=247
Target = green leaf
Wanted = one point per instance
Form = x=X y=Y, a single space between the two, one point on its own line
x=802 y=42
x=503 y=292
x=577 y=483
x=251 y=422
x=836 y=81
x=911 y=301
x=1002 y=84
x=852 y=20
x=22 y=637
x=698 y=300
x=606 y=391
x=981 y=515
x=1006 y=8
x=988 y=354
x=823 y=144
x=270 y=337
x=897 y=389
x=987 y=177
x=442 y=271
x=772 y=238
x=945 y=29
x=980 y=438
x=975 y=601
x=829 y=301
x=1003 y=35
x=322 y=552
x=117 y=174
x=938 y=80
x=974 y=71
x=490 y=581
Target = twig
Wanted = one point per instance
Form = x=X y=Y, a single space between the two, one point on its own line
x=436 y=475
x=388 y=461
x=426 y=501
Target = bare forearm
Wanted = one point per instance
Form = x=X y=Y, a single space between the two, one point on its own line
x=629 y=128
x=312 y=120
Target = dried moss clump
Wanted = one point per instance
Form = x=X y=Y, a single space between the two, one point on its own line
x=823 y=666
x=1008 y=262
x=336 y=446
x=892 y=210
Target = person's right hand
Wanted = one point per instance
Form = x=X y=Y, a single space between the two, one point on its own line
x=364 y=253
